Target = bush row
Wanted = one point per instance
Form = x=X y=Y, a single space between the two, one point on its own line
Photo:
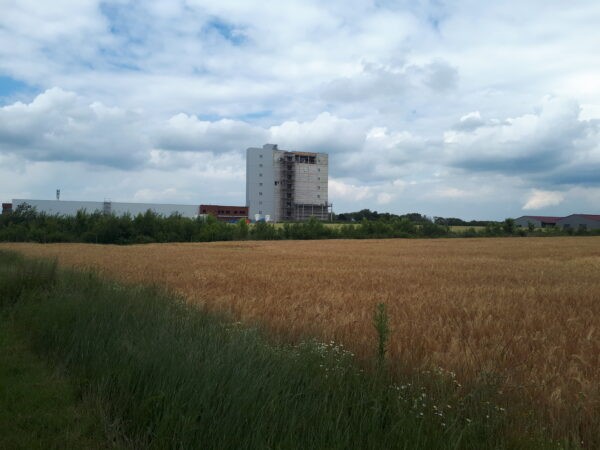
x=27 y=225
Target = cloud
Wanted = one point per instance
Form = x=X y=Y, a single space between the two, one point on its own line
x=394 y=147
x=231 y=33
x=325 y=133
x=223 y=167
x=548 y=143
x=188 y=133
x=152 y=195
x=384 y=198
x=454 y=193
x=440 y=76
x=376 y=81
x=469 y=122
x=384 y=155
x=341 y=190
x=381 y=193
x=61 y=126
x=541 y=199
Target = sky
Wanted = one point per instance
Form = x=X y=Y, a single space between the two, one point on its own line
x=470 y=109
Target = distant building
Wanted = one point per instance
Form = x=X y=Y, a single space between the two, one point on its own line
x=580 y=222
x=225 y=213
x=70 y=208
x=537 y=221
x=286 y=186
x=6 y=208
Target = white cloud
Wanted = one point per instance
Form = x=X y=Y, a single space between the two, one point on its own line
x=339 y=189
x=469 y=121
x=378 y=86
x=552 y=143
x=453 y=193
x=153 y=195
x=188 y=133
x=384 y=198
x=541 y=199
x=326 y=133
x=381 y=193
x=61 y=126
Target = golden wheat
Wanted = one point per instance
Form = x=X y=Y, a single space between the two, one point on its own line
x=525 y=308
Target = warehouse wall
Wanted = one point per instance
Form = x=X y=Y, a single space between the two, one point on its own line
x=70 y=208
x=576 y=221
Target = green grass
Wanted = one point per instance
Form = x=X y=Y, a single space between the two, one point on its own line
x=335 y=226
x=461 y=228
x=38 y=407
x=171 y=376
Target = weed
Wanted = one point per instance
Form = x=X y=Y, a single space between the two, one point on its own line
x=381 y=323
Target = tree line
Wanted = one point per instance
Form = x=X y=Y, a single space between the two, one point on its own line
x=25 y=224
x=413 y=217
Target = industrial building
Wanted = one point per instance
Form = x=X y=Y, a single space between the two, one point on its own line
x=572 y=222
x=70 y=208
x=582 y=222
x=229 y=214
x=286 y=185
x=537 y=221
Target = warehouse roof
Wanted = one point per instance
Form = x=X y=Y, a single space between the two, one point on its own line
x=595 y=217
x=546 y=219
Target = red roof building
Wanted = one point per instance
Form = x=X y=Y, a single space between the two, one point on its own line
x=223 y=213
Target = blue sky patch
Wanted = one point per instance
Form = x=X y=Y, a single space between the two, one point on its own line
x=255 y=115
x=9 y=87
x=209 y=117
x=226 y=31
x=124 y=23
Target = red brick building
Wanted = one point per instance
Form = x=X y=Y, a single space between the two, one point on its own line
x=225 y=213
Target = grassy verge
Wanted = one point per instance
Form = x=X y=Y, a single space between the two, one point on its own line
x=172 y=376
x=38 y=407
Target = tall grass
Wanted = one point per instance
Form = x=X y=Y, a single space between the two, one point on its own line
x=16 y=276
x=39 y=409
x=172 y=376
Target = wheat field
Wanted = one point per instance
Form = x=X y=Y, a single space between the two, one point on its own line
x=527 y=309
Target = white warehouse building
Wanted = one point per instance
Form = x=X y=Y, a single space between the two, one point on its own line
x=285 y=185
x=70 y=208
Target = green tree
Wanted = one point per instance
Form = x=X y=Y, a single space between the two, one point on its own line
x=242 y=229
x=508 y=226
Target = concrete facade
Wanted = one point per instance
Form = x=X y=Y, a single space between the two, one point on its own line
x=70 y=208
x=286 y=186
x=580 y=222
x=260 y=181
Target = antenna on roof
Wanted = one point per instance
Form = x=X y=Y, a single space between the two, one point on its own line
x=58 y=194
